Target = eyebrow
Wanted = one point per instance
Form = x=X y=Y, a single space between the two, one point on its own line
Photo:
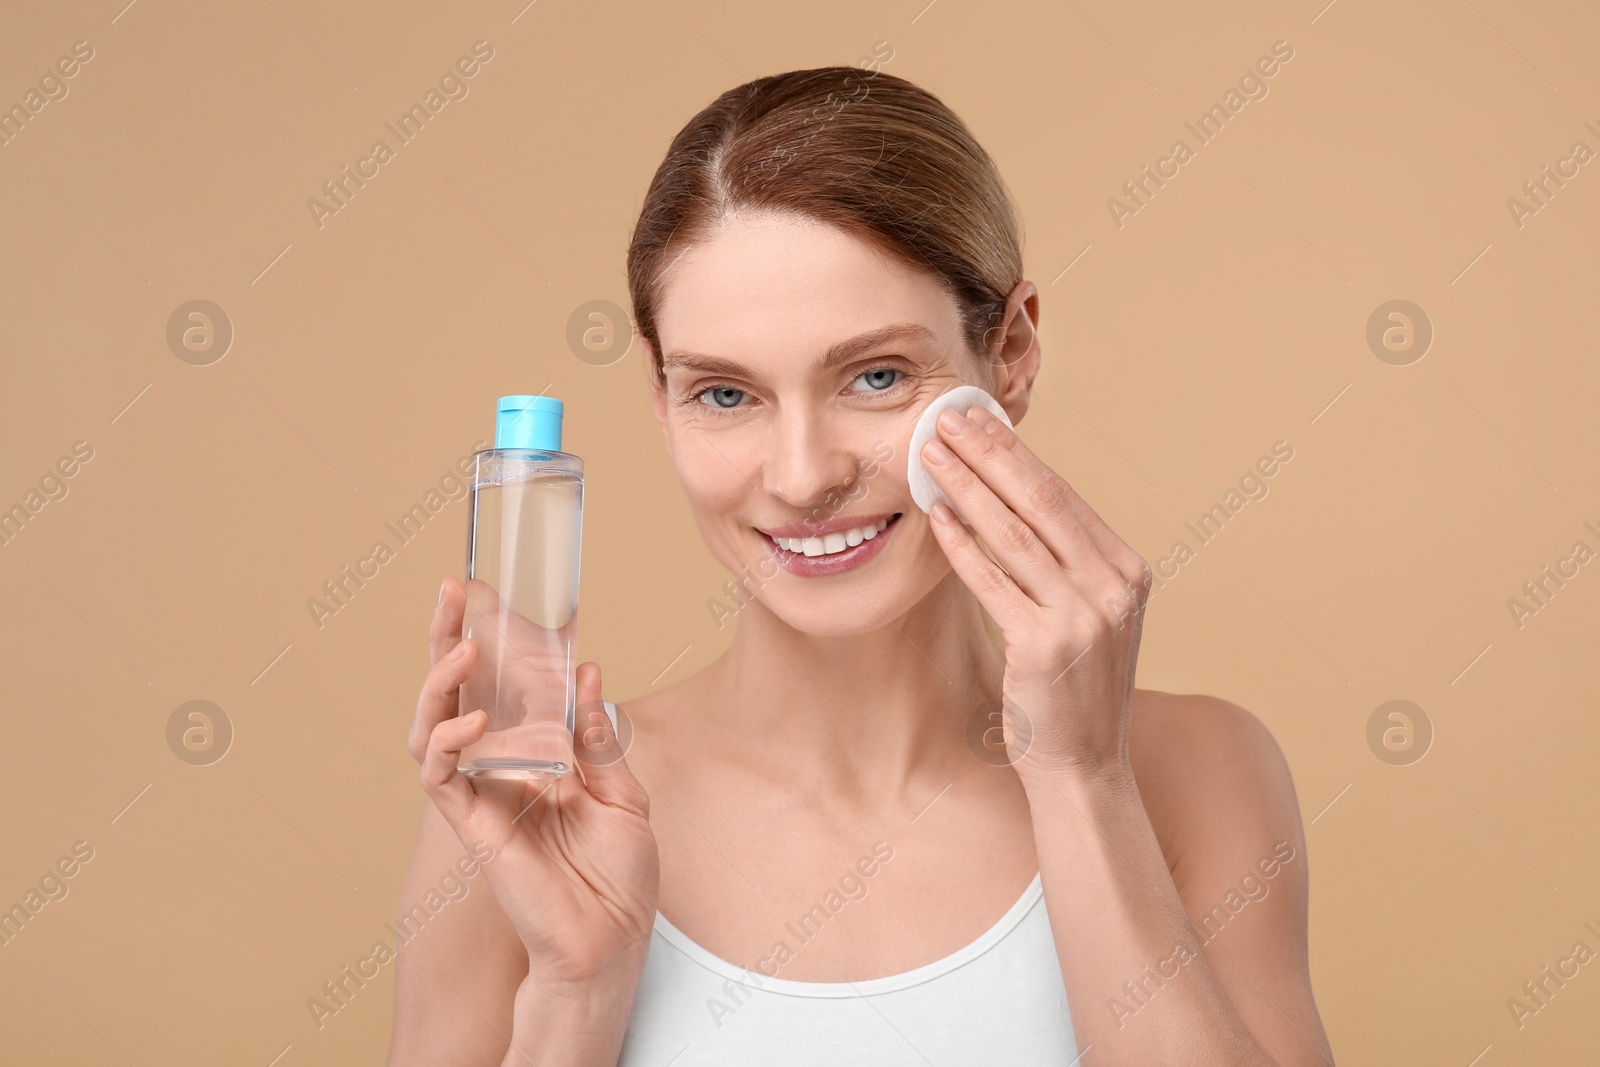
x=843 y=352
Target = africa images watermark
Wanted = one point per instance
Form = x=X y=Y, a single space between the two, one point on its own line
x=852 y=886
x=452 y=87
x=1539 y=190
x=53 y=486
x=339 y=991
x=742 y=592
x=52 y=89
x=340 y=591
x=53 y=887
x=1252 y=888
x=1537 y=991
x=1252 y=86
x=780 y=156
x=1551 y=580
x=1252 y=486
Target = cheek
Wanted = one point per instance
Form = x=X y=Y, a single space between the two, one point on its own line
x=890 y=491
x=713 y=477
x=896 y=434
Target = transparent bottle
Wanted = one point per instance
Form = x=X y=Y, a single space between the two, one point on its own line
x=526 y=523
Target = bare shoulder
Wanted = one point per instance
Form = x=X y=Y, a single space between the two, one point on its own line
x=1214 y=782
x=1178 y=729
x=658 y=726
x=649 y=709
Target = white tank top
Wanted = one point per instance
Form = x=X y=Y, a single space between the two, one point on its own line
x=998 y=1000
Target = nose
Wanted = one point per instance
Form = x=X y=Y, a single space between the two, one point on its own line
x=807 y=456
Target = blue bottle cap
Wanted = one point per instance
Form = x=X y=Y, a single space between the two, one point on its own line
x=528 y=422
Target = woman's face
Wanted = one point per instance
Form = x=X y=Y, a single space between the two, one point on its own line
x=797 y=359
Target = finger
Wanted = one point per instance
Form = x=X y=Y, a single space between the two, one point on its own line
x=600 y=751
x=1015 y=544
x=505 y=633
x=445 y=630
x=1034 y=486
x=509 y=636
x=440 y=696
x=1038 y=497
x=451 y=793
x=1000 y=596
x=481 y=819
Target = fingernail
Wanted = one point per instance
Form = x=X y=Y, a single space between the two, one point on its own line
x=456 y=653
x=936 y=453
x=953 y=423
x=443 y=585
x=943 y=514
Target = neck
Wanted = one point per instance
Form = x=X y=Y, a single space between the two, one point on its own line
x=865 y=714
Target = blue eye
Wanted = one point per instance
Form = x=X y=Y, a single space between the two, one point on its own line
x=718 y=394
x=878 y=378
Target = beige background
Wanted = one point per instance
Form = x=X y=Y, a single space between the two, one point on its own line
x=1228 y=314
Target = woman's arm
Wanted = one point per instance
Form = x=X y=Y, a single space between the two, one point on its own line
x=1207 y=963
x=458 y=968
x=462 y=992
x=1069 y=596
x=457 y=975
x=538 y=960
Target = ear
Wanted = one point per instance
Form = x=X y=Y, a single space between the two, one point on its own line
x=1016 y=364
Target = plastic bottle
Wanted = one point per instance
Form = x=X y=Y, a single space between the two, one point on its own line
x=524 y=539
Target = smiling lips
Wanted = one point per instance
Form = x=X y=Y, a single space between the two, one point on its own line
x=820 y=549
x=831 y=543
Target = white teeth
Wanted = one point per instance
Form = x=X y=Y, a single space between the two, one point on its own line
x=828 y=544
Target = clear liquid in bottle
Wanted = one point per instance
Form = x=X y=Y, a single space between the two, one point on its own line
x=522 y=609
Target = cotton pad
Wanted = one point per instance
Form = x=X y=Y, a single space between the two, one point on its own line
x=924 y=490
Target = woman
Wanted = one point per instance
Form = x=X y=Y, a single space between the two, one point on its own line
x=803 y=858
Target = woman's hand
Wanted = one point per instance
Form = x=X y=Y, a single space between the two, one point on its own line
x=1069 y=601
x=575 y=865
